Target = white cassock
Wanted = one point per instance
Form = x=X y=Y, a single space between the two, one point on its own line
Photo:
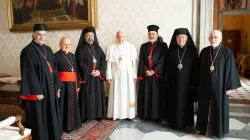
x=122 y=69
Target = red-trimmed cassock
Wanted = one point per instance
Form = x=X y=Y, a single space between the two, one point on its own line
x=92 y=93
x=68 y=97
x=151 y=88
x=40 y=77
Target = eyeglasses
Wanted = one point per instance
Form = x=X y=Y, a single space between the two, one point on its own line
x=214 y=37
x=181 y=37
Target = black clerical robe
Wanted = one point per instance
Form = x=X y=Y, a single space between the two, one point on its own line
x=181 y=85
x=151 y=87
x=92 y=93
x=68 y=96
x=40 y=77
x=213 y=103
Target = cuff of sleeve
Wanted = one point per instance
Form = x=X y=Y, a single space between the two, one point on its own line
x=109 y=77
x=29 y=97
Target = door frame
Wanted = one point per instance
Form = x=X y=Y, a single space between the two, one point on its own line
x=218 y=13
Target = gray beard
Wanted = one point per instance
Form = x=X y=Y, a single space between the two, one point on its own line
x=89 y=42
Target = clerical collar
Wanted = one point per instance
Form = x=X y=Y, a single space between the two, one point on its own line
x=64 y=52
x=89 y=44
x=215 y=48
x=153 y=43
x=37 y=43
x=182 y=47
x=120 y=43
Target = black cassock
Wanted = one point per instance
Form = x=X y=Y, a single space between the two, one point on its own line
x=213 y=103
x=38 y=78
x=151 y=88
x=92 y=93
x=68 y=97
x=181 y=85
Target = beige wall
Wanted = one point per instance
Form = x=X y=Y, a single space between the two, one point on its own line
x=131 y=15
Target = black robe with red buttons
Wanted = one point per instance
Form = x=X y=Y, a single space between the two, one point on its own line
x=43 y=116
x=151 y=88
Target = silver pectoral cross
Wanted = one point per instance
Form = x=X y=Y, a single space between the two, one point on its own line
x=72 y=69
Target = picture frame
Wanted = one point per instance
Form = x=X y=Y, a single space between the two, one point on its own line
x=56 y=14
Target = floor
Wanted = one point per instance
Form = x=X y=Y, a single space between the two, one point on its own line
x=239 y=123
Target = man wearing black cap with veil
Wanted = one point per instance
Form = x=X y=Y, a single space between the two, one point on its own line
x=92 y=68
x=181 y=73
x=150 y=68
x=40 y=87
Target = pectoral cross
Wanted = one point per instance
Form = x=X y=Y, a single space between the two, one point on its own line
x=72 y=69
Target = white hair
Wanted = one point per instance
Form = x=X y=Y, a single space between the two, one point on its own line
x=123 y=31
x=218 y=32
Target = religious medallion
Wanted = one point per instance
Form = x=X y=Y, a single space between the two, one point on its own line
x=180 y=66
x=212 y=68
x=94 y=60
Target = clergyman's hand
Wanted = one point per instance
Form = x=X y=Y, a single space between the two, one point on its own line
x=152 y=72
x=39 y=97
x=228 y=92
x=148 y=73
x=97 y=72
x=135 y=80
x=109 y=80
x=58 y=93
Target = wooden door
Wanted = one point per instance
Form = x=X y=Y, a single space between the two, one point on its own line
x=232 y=40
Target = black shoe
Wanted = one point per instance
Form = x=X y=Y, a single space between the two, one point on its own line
x=83 y=121
x=98 y=119
x=129 y=119
x=202 y=133
x=68 y=131
x=158 y=120
x=143 y=120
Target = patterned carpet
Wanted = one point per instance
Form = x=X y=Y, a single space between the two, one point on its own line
x=92 y=130
x=242 y=94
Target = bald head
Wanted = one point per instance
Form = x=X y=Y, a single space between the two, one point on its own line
x=120 y=36
x=215 y=38
x=65 y=45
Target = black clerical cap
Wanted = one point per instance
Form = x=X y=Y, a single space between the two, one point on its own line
x=180 y=31
x=39 y=27
x=153 y=28
x=89 y=29
x=82 y=39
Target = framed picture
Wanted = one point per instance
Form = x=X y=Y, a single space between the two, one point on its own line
x=56 y=14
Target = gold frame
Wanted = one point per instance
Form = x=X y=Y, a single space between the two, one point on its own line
x=92 y=20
